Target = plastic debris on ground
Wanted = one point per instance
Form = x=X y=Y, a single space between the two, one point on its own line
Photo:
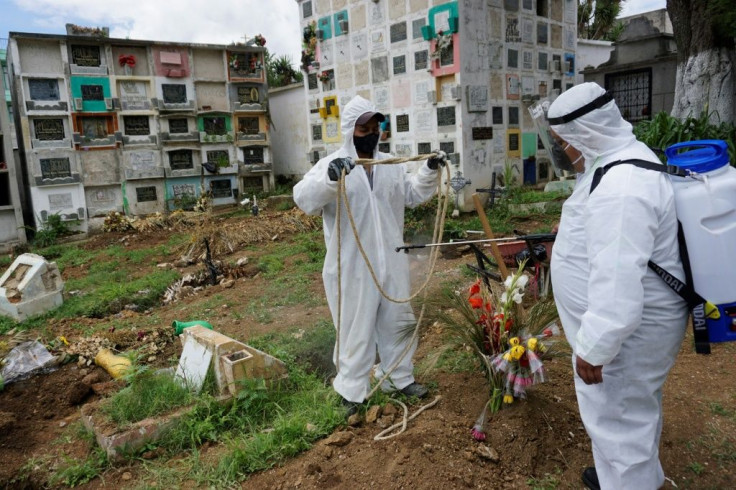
x=26 y=360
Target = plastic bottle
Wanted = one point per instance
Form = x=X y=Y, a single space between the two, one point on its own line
x=706 y=207
x=180 y=326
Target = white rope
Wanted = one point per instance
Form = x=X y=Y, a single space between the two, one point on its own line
x=381 y=436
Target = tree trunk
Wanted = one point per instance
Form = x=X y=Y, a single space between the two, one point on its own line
x=705 y=63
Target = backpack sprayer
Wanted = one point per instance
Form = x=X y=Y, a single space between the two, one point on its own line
x=705 y=200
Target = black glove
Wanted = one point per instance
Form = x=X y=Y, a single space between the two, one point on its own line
x=440 y=160
x=334 y=169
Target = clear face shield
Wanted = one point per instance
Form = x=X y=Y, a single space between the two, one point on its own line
x=560 y=161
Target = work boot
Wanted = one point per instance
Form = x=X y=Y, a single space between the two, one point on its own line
x=415 y=389
x=590 y=478
x=351 y=408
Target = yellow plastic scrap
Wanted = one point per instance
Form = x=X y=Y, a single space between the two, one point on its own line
x=116 y=366
x=711 y=311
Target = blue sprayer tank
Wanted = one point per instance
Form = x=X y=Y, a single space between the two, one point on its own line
x=706 y=207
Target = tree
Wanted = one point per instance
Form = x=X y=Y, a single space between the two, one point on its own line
x=280 y=71
x=704 y=31
x=597 y=19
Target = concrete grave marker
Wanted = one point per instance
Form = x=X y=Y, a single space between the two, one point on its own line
x=379 y=69
x=31 y=286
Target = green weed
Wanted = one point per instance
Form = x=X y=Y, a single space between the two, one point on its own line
x=75 y=472
x=51 y=230
x=547 y=482
x=5 y=261
x=311 y=348
x=458 y=361
x=718 y=409
x=696 y=468
x=148 y=394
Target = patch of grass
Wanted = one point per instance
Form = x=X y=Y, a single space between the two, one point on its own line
x=260 y=311
x=458 y=361
x=521 y=195
x=5 y=261
x=73 y=472
x=260 y=427
x=105 y=292
x=696 y=468
x=718 y=409
x=311 y=348
x=296 y=417
x=148 y=394
x=547 y=482
x=270 y=265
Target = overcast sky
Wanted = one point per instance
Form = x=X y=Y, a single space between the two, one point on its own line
x=198 y=21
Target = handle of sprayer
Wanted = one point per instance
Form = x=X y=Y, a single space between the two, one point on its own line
x=406 y=248
x=718 y=147
x=537 y=238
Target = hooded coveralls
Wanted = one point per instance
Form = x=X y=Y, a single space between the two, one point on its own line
x=615 y=311
x=367 y=319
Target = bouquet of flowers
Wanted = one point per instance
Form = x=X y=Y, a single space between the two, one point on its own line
x=510 y=342
x=260 y=40
x=126 y=60
x=324 y=77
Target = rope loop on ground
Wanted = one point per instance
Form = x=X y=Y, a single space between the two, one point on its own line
x=381 y=436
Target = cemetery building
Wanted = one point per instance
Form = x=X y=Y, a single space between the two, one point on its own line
x=11 y=214
x=452 y=75
x=642 y=67
x=136 y=126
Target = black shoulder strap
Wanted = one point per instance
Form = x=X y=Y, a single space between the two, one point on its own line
x=658 y=167
x=698 y=306
x=696 y=303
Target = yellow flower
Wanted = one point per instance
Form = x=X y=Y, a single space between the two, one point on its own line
x=63 y=339
x=508 y=399
x=514 y=341
x=517 y=351
x=532 y=344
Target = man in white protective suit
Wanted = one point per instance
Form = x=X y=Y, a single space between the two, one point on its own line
x=625 y=325
x=378 y=195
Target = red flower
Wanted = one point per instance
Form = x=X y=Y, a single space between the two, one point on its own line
x=128 y=59
x=476 y=302
x=475 y=288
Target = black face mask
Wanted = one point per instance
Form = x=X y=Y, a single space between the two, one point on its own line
x=560 y=158
x=366 y=144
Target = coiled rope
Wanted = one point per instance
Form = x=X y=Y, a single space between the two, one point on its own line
x=439 y=225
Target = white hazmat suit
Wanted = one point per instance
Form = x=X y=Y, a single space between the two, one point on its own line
x=615 y=311
x=367 y=319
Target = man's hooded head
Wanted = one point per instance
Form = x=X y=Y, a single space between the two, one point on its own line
x=360 y=120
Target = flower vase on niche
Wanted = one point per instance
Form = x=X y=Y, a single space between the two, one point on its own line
x=127 y=70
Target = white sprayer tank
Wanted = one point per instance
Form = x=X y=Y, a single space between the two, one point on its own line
x=706 y=207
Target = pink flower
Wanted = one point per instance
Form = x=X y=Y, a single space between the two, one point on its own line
x=477 y=433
